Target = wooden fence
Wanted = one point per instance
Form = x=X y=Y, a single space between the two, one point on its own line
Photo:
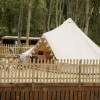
x=15 y=70
x=50 y=91
x=17 y=49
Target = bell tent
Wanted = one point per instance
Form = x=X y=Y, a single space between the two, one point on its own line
x=66 y=42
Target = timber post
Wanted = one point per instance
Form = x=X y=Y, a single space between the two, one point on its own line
x=79 y=80
x=33 y=74
x=32 y=86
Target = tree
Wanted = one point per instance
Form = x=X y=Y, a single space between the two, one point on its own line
x=44 y=16
x=76 y=11
x=88 y=16
x=20 y=21
x=61 y=10
x=49 y=15
x=56 y=14
x=28 y=22
x=69 y=8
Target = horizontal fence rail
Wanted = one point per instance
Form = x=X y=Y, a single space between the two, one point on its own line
x=15 y=70
x=16 y=49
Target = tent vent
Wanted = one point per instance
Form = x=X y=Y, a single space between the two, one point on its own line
x=38 y=44
x=45 y=41
x=35 y=47
x=42 y=36
x=47 y=45
x=51 y=54
x=40 y=40
x=33 y=51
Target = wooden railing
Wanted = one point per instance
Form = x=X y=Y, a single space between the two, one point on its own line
x=15 y=70
x=17 y=49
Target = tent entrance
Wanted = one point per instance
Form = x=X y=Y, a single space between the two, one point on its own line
x=42 y=50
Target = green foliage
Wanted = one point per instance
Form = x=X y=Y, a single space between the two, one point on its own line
x=9 y=16
x=3 y=30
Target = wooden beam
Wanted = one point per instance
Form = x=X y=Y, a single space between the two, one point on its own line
x=48 y=84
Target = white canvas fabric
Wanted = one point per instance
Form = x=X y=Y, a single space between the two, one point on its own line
x=25 y=54
x=68 y=42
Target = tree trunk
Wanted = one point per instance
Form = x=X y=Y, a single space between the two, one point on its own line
x=88 y=16
x=61 y=11
x=20 y=21
x=83 y=21
x=44 y=16
x=0 y=22
x=0 y=16
x=49 y=15
x=56 y=15
x=69 y=8
x=99 y=26
x=28 y=22
x=10 y=28
x=76 y=12
x=87 y=19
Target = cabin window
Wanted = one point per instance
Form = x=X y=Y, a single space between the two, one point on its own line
x=7 y=41
x=40 y=53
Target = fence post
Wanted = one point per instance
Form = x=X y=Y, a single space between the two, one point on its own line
x=19 y=69
x=99 y=71
x=47 y=68
x=2 y=49
x=1 y=72
x=79 y=81
x=33 y=74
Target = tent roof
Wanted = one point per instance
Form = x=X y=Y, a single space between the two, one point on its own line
x=68 y=42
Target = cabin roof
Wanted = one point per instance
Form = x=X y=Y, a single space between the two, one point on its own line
x=22 y=38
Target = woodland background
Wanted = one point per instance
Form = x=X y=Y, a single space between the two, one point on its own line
x=34 y=17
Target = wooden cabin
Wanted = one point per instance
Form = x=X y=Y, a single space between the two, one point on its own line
x=13 y=39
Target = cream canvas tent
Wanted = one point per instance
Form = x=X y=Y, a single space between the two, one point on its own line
x=25 y=54
x=66 y=42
